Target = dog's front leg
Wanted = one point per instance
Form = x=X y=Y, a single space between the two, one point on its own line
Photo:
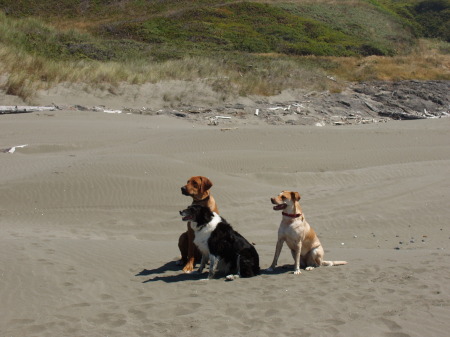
x=189 y=267
x=203 y=263
x=277 y=255
x=296 y=253
x=213 y=263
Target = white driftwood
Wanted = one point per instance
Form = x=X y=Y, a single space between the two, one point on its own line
x=215 y=120
x=4 y=109
x=13 y=149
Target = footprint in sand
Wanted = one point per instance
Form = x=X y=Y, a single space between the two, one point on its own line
x=110 y=319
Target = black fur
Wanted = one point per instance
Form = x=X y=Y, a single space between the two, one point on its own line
x=227 y=244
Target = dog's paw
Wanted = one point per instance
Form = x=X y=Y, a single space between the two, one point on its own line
x=297 y=272
x=309 y=268
x=231 y=277
x=188 y=269
x=269 y=270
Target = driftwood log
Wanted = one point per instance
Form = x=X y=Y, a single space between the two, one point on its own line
x=16 y=109
x=401 y=115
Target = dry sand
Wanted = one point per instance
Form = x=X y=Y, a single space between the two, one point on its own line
x=89 y=227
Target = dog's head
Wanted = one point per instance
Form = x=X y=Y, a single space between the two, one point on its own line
x=284 y=200
x=197 y=187
x=198 y=215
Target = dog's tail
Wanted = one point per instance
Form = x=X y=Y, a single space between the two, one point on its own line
x=333 y=263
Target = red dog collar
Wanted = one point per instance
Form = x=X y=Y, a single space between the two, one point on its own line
x=291 y=215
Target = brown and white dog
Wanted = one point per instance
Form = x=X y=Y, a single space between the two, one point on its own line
x=305 y=246
x=198 y=188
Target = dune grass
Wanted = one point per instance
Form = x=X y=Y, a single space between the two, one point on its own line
x=430 y=60
x=238 y=74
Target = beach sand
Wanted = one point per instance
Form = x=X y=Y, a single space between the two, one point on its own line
x=89 y=226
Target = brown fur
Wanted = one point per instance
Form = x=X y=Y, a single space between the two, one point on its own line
x=305 y=246
x=198 y=188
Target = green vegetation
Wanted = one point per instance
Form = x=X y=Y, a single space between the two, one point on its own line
x=434 y=18
x=238 y=47
x=244 y=27
x=33 y=36
x=172 y=29
x=380 y=35
x=429 y=18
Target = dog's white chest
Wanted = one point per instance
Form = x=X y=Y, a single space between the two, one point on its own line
x=202 y=236
x=292 y=232
x=201 y=241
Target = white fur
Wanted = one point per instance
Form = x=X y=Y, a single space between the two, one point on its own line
x=201 y=238
x=202 y=235
x=213 y=265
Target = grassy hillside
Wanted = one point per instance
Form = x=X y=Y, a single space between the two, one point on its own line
x=294 y=28
x=430 y=18
x=246 y=47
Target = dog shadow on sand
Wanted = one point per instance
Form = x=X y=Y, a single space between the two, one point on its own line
x=173 y=266
x=168 y=267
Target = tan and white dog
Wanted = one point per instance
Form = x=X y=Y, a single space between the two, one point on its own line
x=305 y=246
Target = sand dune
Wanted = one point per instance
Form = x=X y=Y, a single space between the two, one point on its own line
x=89 y=227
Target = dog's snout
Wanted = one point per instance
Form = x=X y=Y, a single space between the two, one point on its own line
x=273 y=200
x=184 y=190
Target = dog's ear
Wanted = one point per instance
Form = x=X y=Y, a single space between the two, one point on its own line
x=295 y=196
x=206 y=184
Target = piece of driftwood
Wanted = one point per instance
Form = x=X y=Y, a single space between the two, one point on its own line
x=13 y=149
x=15 y=109
x=215 y=120
x=400 y=115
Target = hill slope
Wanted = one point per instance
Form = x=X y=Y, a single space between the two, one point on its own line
x=293 y=28
x=257 y=47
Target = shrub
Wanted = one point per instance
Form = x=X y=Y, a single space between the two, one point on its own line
x=434 y=17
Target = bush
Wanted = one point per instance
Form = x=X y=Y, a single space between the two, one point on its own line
x=434 y=17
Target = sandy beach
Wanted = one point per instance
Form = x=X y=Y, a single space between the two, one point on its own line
x=89 y=226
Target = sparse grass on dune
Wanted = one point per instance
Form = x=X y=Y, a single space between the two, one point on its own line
x=237 y=75
x=429 y=61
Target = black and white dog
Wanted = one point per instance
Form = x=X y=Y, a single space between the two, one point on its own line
x=227 y=250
